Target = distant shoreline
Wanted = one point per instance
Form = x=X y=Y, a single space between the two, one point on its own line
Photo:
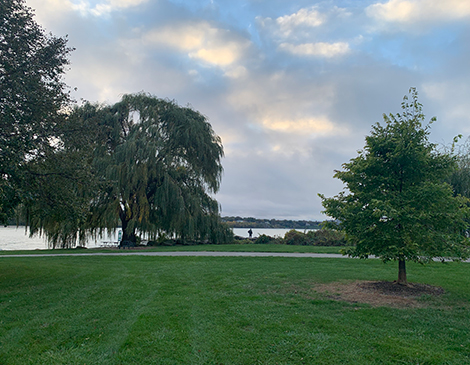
x=244 y=222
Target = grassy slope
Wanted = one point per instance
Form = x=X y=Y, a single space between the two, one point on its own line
x=201 y=310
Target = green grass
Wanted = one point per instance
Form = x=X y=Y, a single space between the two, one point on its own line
x=232 y=310
x=219 y=248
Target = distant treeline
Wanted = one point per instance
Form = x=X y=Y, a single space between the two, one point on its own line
x=239 y=222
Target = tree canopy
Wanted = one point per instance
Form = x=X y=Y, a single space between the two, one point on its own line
x=32 y=98
x=152 y=167
x=396 y=204
x=160 y=161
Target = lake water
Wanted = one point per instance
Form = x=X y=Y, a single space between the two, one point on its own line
x=16 y=238
x=273 y=232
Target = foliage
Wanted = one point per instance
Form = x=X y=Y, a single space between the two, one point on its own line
x=144 y=164
x=157 y=164
x=33 y=98
x=263 y=239
x=397 y=205
x=328 y=237
x=64 y=184
x=320 y=237
x=294 y=237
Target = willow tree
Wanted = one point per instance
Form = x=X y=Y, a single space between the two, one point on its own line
x=157 y=164
x=396 y=204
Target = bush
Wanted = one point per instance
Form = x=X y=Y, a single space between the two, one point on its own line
x=321 y=237
x=162 y=240
x=263 y=239
x=329 y=237
x=294 y=237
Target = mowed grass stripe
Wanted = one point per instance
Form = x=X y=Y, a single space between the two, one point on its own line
x=203 y=310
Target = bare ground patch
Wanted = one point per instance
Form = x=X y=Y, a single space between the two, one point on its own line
x=380 y=293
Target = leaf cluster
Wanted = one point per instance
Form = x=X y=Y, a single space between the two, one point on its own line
x=33 y=98
x=145 y=164
x=396 y=204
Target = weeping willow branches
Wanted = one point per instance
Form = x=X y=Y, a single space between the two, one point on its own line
x=153 y=166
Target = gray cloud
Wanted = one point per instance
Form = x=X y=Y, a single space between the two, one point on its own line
x=288 y=115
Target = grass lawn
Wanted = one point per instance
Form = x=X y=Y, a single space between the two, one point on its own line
x=219 y=248
x=231 y=310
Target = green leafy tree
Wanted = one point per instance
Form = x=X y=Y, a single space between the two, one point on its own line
x=32 y=98
x=396 y=204
x=156 y=164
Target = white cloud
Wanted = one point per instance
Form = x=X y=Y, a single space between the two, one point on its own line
x=125 y=3
x=411 y=11
x=309 y=17
x=214 y=46
x=103 y=8
x=293 y=25
x=294 y=32
x=44 y=16
x=285 y=104
x=217 y=55
x=303 y=125
x=320 y=49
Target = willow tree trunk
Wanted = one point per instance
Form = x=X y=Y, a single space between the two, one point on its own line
x=402 y=272
x=128 y=235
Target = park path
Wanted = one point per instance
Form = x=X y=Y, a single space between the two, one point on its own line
x=197 y=253
x=187 y=253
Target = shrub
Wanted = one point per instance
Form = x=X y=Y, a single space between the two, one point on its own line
x=263 y=239
x=329 y=237
x=294 y=237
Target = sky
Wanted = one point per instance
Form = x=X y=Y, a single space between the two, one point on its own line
x=291 y=87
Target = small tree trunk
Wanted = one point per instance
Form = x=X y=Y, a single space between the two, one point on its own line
x=402 y=272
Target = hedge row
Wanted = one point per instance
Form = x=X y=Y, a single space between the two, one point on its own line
x=321 y=237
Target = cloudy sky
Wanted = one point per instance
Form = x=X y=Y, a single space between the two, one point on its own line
x=292 y=87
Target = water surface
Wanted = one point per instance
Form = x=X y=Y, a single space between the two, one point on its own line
x=17 y=238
